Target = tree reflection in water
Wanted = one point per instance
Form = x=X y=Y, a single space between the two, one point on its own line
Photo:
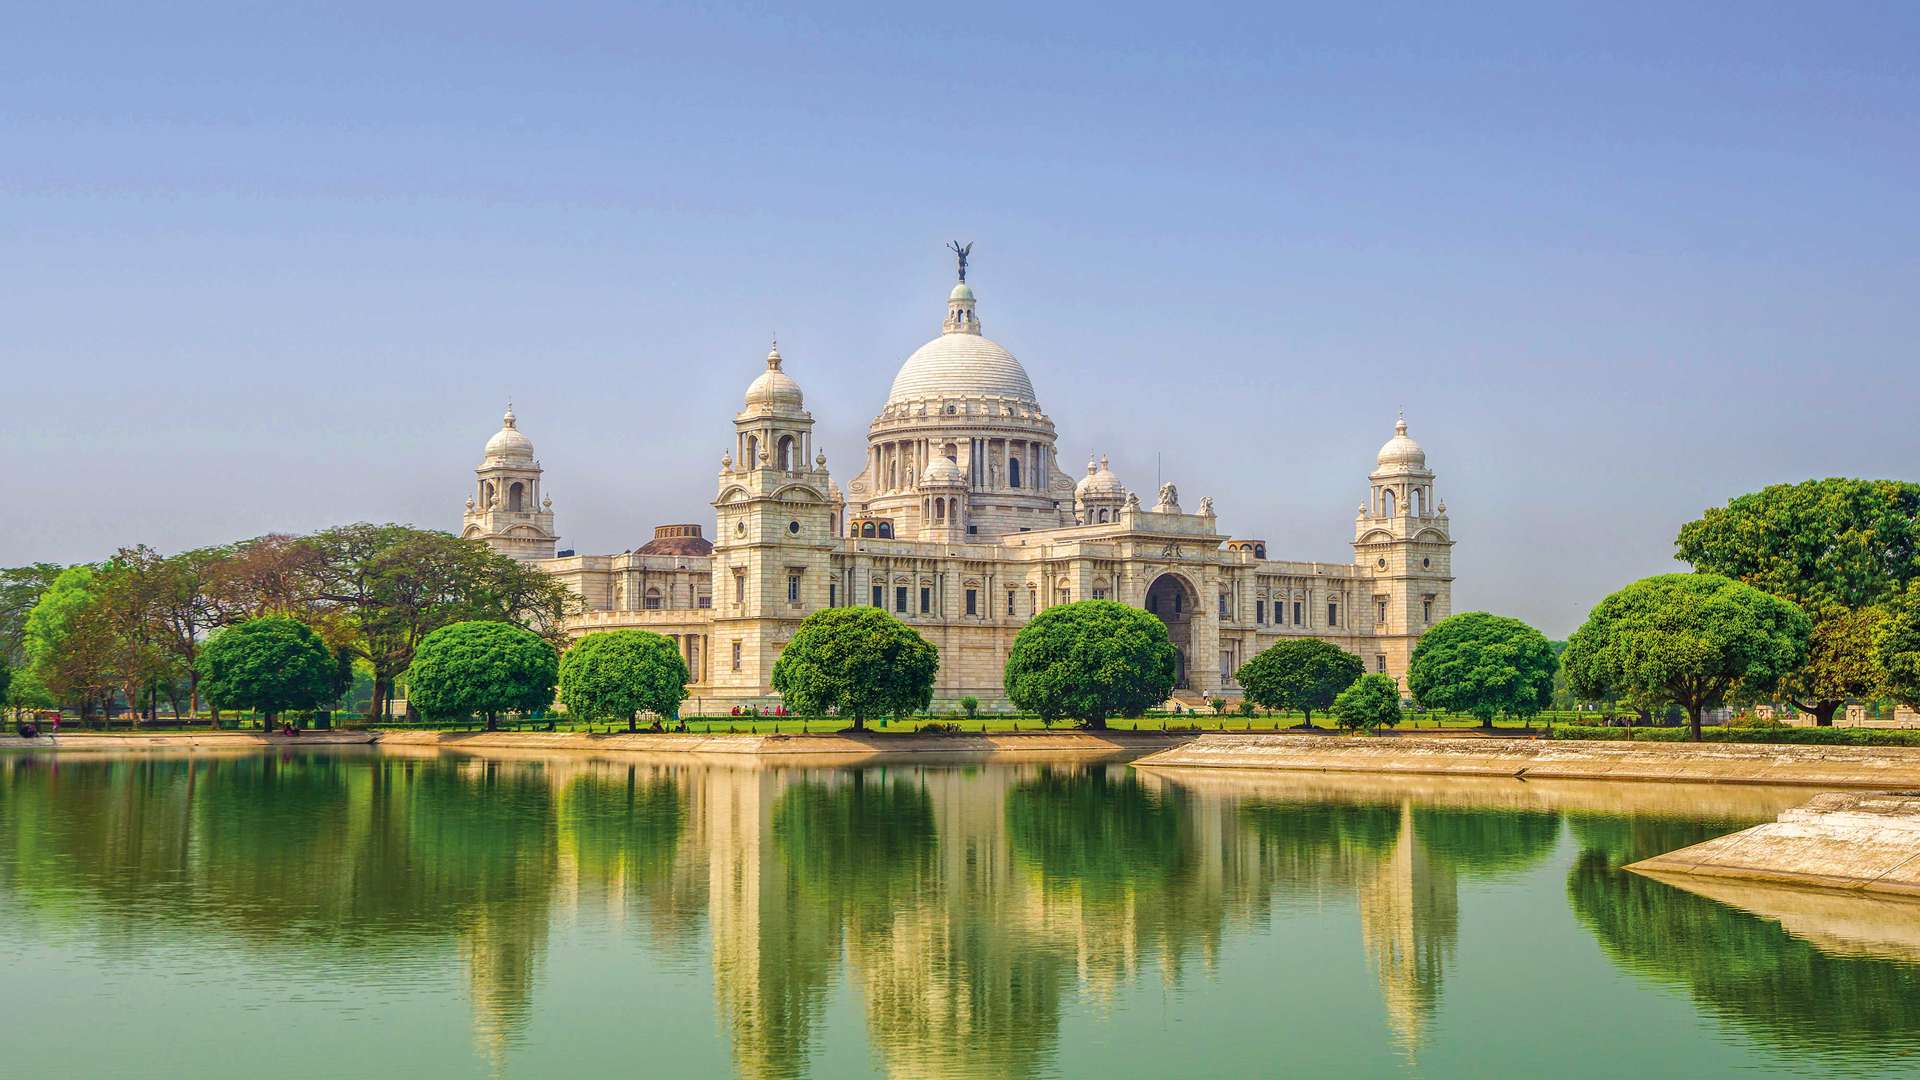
x=1743 y=969
x=966 y=908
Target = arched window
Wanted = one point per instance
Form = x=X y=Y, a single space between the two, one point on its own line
x=753 y=452
x=1013 y=472
x=866 y=528
x=785 y=453
x=516 y=496
x=939 y=509
x=652 y=601
x=1386 y=502
x=486 y=494
x=886 y=530
x=952 y=452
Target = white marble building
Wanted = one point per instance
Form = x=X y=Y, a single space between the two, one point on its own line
x=962 y=523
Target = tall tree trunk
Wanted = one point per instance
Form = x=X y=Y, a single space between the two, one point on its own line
x=1693 y=717
x=377 y=711
x=1822 y=711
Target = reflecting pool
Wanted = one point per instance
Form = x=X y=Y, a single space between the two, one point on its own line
x=322 y=914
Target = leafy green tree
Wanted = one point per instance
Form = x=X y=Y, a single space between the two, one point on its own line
x=1299 y=673
x=1483 y=665
x=482 y=668
x=1089 y=661
x=25 y=691
x=20 y=589
x=70 y=643
x=857 y=662
x=270 y=664
x=1691 y=639
x=1899 y=648
x=1838 y=548
x=615 y=674
x=1371 y=703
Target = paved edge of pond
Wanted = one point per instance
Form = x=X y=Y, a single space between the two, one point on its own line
x=195 y=741
x=1718 y=763
x=843 y=745
x=1865 y=842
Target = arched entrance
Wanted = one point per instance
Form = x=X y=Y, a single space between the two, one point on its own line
x=1174 y=600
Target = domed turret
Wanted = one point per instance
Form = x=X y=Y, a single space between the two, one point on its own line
x=1401 y=449
x=508 y=444
x=774 y=388
x=1099 y=495
x=507 y=510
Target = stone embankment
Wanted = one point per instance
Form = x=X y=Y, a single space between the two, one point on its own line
x=1866 y=842
x=1723 y=763
x=179 y=741
x=840 y=746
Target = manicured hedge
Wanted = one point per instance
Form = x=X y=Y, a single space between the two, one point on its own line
x=1807 y=736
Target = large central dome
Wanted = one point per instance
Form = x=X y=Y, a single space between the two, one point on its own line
x=961 y=362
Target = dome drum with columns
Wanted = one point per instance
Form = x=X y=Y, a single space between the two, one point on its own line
x=961 y=523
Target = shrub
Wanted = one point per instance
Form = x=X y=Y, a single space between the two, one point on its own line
x=612 y=675
x=1303 y=674
x=271 y=665
x=1372 y=702
x=970 y=705
x=858 y=662
x=482 y=668
x=1089 y=661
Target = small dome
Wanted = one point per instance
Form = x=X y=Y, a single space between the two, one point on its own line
x=962 y=291
x=943 y=471
x=676 y=540
x=1100 y=483
x=774 y=387
x=508 y=444
x=1401 y=449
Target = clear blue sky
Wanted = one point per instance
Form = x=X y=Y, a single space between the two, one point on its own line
x=277 y=269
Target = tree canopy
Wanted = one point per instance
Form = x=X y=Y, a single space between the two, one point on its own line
x=1840 y=549
x=391 y=586
x=1089 y=661
x=1483 y=665
x=482 y=668
x=269 y=664
x=69 y=642
x=857 y=662
x=1690 y=639
x=614 y=674
x=1899 y=648
x=1372 y=702
x=1299 y=673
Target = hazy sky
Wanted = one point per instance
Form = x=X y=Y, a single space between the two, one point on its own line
x=271 y=269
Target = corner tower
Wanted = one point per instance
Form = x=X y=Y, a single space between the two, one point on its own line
x=507 y=510
x=1402 y=550
x=774 y=516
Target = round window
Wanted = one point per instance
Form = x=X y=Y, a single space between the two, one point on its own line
x=1381 y=563
x=793 y=527
x=740 y=527
x=1426 y=564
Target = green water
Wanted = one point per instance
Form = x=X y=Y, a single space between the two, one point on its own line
x=358 y=914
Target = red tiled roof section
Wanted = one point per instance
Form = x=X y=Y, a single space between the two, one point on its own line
x=676 y=540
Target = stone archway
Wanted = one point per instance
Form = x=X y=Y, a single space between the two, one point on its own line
x=1174 y=600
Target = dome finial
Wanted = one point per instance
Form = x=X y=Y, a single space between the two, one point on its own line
x=508 y=419
x=961 y=251
x=773 y=354
x=1400 y=425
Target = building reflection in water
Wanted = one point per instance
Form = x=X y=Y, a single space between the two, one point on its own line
x=967 y=907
